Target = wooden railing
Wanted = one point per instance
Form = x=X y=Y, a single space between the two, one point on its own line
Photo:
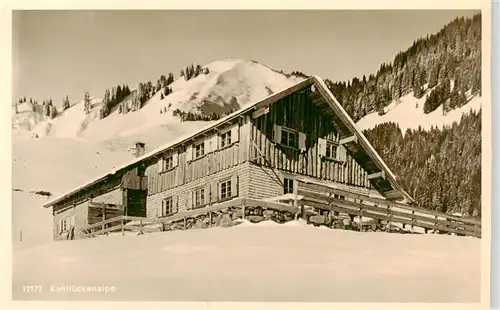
x=317 y=196
x=121 y=223
x=321 y=196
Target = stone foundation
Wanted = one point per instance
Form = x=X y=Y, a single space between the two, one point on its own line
x=228 y=217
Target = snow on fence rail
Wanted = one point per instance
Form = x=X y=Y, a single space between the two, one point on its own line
x=321 y=196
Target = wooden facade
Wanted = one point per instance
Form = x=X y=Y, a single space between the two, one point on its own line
x=253 y=153
x=297 y=113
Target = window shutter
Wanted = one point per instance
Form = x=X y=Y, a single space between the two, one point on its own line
x=207 y=194
x=214 y=143
x=189 y=153
x=207 y=145
x=322 y=147
x=175 y=202
x=190 y=201
x=235 y=133
x=214 y=192
x=72 y=220
x=302 y=141
x=175 y=159
x=341 y=153
x=59 y=227
x=277 y=133
x=234 y=185
x=160 y=165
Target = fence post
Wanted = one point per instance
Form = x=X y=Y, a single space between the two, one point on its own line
x=360 y=219
x=123 y=232
x=389 y=215
x=295 y=196
x=103 y=219
x=185 y=225
x=210 y=218
x=243 y=212
x=413 y=221
x=436 y=224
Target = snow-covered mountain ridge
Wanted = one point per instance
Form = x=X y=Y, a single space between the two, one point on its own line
x=228 y=85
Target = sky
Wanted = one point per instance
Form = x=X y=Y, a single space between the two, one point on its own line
x=59 y=53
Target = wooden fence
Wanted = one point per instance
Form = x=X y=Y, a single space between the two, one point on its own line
x=309 y=196
x=323 y=197
x=122 y=223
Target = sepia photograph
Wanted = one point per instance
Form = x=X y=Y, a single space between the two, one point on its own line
x=331 y=156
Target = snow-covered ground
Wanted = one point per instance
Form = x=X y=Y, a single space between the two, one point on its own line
x=258 y=262
x=408 y=113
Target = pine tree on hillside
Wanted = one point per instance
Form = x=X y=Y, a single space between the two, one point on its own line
x=462 y=99
x=453 y=99
x=65 y=103
x=106 y=104
x=52 y=111
x=158 y=85
x=170 y=79
x=87 y=103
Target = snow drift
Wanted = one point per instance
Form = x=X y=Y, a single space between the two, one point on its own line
x=289 y=262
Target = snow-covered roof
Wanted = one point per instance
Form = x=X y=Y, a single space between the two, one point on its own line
x=317 y=81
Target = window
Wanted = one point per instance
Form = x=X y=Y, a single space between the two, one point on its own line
x=64 y=225
x=339 y=197
x=199 y=150
x=288 y=138
x=167 y=206
x=225 y=139
x=331 y=150
x=168 y=163
x=225 y=189
x=288 y=185
x=199 y=197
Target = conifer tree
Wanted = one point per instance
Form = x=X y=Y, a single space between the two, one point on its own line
x=65 y=104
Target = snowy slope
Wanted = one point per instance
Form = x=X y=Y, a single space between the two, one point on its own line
x=69 y=123
x=408 y=113
x=258 y=262
x=229 y=84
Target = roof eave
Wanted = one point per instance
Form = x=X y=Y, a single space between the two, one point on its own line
x=366 y=145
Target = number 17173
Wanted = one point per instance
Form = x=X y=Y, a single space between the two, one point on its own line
x=32 y=288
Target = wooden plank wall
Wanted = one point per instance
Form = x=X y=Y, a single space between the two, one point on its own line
x=298 y=112
x=208 y=165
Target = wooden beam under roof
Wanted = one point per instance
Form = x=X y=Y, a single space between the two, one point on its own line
x=349 y=140
x=377 y=175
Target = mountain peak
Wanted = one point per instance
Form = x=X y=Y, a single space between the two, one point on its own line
x=227 y=85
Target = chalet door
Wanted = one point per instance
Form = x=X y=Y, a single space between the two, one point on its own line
x=134 y=202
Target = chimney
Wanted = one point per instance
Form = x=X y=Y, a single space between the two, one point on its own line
x=140 y=149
